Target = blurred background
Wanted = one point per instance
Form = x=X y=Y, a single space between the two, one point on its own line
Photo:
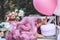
x=26 y=5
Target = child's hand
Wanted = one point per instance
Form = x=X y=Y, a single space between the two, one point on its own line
x=1 y=34
x=39 y=35
x=43 y=22
x=7 y=19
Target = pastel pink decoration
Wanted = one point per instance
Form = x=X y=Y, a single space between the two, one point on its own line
x=57 y=10
x=46 y=7
x=48 y=29
x=28 y=28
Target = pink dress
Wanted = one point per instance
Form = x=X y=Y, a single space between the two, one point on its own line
x=28 y=28
x=13 y=34
x=23 y=30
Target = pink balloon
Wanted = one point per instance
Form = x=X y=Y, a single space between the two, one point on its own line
x=46 y=7
x=57 y=10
